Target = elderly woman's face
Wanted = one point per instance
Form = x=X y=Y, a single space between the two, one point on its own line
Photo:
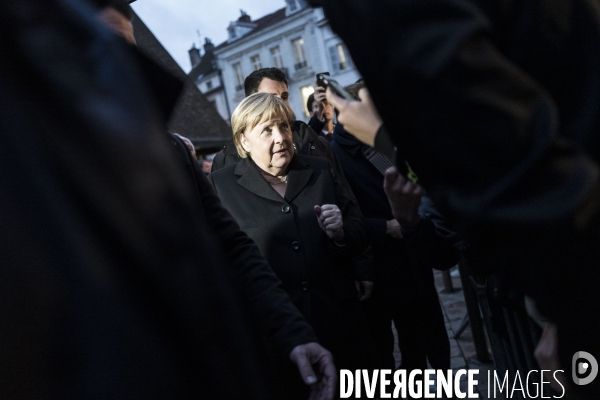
x=270 y=145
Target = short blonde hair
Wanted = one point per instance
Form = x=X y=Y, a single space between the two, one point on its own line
x=256 y=109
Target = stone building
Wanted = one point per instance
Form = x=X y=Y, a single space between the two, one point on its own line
x=296 y=39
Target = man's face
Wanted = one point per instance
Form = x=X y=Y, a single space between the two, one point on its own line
x=315 y=108
x=328 y=112
x=279 y=89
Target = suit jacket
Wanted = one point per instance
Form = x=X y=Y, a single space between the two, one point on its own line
x=315 y=271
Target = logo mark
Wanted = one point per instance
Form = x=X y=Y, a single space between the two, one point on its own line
x=581 y=367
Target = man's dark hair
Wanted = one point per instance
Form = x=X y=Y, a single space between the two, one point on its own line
x=122 y=6
x=252 y=81
x=309 y=102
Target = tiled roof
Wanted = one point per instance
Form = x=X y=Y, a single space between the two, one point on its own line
x=194 y=116
x=261 y=23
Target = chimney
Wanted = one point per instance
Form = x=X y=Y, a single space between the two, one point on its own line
x=208 y=45
x=244 y=17
x=195 y=57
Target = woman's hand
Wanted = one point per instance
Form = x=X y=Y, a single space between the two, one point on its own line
x=330 y=220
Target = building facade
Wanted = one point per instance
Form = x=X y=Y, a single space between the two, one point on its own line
x=296 y=39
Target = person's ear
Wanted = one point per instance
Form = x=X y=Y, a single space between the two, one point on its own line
x=245 y=143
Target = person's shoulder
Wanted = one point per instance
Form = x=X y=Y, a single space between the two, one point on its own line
x=313 y=162
x=303 y=130
x=223 y=174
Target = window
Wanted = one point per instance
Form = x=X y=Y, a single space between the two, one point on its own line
x=239 y=76
x=232 y=32
x=306 y=91
x=255 y=61
x=209 y=85
x=292 y=5
x=298 y=45
x=276 y=55
x=339 y=57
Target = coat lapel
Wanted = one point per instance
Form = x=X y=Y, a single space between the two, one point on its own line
x=298 y=176
x=252 y=180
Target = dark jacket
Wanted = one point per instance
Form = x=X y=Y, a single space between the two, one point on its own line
x=499 y=107
x=315 y=271
x=307 y=142
x=270 y=305
x=315 y=123
x=496 y=170
x=402 y=267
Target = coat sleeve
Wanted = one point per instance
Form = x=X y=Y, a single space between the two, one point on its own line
x=376 y=228
x=432 y=241
x=227 y=156
x=355 y=235
x=281 y=321
x=316 y=124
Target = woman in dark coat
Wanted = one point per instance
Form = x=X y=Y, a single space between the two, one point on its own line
x=297 y=211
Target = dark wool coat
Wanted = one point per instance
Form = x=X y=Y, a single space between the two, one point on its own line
x=270 y=307
x=314 y=270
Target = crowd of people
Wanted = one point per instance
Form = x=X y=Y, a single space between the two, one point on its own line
x=134 y=270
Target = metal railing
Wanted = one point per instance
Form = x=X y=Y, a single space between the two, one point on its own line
x=497 y=316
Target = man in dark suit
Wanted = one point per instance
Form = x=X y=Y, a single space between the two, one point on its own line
x=404 y=254
x=498 y=104
x=322 y=113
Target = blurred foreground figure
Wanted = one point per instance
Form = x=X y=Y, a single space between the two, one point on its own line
x=498 y=106
x=110 y=285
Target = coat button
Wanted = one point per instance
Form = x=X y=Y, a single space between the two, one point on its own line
x=285 y=209
x=312 y=147
x=296 y=246
x=304 y=286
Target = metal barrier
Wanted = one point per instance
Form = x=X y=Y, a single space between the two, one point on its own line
x=497 y=316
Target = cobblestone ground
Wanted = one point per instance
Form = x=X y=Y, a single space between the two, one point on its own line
x=462 y=349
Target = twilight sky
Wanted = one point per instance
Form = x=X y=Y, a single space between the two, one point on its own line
x=175 y=22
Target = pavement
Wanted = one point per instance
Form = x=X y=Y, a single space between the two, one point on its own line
x=462 y=349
